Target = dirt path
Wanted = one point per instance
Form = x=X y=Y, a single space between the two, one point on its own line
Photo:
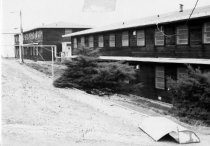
x=34 y=113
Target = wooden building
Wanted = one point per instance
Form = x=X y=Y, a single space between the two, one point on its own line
x=46 y=35
x=159 y=46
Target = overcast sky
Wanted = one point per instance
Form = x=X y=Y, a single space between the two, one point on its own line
x=38 y=12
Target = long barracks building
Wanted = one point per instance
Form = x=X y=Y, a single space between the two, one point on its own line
x=50 y=34
x=159 y=46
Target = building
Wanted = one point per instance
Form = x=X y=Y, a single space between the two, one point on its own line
x=159 y=46
x=50 y=34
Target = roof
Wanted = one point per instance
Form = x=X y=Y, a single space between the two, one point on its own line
x=60 y=24
x=159 y=59
x=152 y=20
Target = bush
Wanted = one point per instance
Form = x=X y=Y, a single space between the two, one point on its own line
x=191 y=96
x=88 y=73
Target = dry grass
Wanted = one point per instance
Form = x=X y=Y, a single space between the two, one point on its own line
x=46 y=68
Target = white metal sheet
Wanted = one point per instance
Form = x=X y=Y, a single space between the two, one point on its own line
x=158 y=127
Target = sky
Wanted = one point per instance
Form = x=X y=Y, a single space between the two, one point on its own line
x=39 y=12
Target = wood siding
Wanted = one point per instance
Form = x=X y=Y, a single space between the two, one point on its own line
x=50 y=36
x=146 y=75
x=194 y=49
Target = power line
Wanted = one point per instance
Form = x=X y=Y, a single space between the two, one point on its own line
x=166 y=35
x=192 y=11
x=160 y=30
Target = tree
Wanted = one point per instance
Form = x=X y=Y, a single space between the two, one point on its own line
x=191 y=95
x=88 y=73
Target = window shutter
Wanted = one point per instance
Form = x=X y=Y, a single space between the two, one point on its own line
x=125 y=39
x=68 y=31
x=112 y=40
x=206 y=33
x=159 y=38
x=82 y=40
x=91 y=41
x=181 y=71
x=182 y=35
x=159 y=77
x=100 y=41
x=140 y=38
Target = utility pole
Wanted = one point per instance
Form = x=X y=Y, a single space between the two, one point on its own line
x=21 y=39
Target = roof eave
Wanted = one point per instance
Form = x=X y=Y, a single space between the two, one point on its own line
x=166 y=22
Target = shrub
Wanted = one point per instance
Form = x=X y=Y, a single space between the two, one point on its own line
x=191 y=95
x=88 y=73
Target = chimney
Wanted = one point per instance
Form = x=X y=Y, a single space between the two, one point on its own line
x=181 y=7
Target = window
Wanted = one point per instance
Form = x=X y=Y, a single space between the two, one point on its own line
x=36 y=35
x=182 y=35
x=206 y=33
x=112 y=40
x=101 y=41
x=75 y=42
x=68 y=31
x=91 y=41
x=181 y=71
x=125 y=38
x=34 y=51
x=195 y=35
x=159 y=37
x=140 y=38
x=82 y=40
x=32 y=35
x=159 y=77
x=39 y=34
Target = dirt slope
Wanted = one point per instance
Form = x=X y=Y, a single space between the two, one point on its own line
x=34 y=113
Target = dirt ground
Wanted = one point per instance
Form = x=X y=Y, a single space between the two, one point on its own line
x=34 y=113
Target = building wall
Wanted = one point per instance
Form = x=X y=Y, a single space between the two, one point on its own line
x=194 y=49
x=44 y=36
x=34 y=36
x=146 y=75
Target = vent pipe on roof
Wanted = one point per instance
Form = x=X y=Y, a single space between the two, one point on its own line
x=181 y=7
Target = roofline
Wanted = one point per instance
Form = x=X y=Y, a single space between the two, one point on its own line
x=159 y=60
x=156 y=59
x=169 y=22
x=121 y=27
x=55 y=28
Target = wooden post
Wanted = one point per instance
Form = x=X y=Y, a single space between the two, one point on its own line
x=37 y=53
x=52 y=63
x=21 y=49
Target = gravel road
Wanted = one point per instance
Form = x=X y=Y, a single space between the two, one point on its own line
x=34 y=113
